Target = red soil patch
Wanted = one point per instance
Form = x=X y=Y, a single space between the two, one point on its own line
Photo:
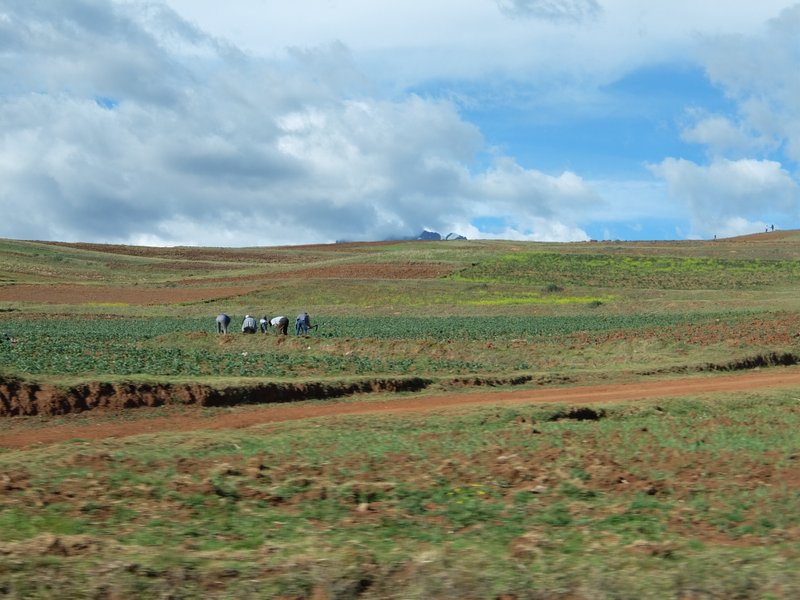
x=192 y=420
x=260 y=254
x=86 y=294
x=177 y=253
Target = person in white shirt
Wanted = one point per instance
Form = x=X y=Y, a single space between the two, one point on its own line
x=281 y=325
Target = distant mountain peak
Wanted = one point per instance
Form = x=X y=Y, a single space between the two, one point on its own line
x=435 y=236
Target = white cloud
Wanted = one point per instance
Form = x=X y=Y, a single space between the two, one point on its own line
x=512 y=190
x=728 y=195
x=274 y=122
x=745 y=187
x=195 y=143
x=403 y=44
x=759 y=73
x=556 y=10
x=536 y=229
x=733 y=226
x=723 y=137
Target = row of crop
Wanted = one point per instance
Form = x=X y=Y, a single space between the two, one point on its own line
x=39 y=356
x=86 y=329
x=499 y=327
x=128 y=331
x=79 y=333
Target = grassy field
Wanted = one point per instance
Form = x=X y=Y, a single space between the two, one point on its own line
x=691 y=498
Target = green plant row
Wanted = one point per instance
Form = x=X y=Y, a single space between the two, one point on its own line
x=493 y=327
x=42 y=357
x=81 y=332
x=171 y=347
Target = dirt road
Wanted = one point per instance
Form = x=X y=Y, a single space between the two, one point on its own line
x=193 y=419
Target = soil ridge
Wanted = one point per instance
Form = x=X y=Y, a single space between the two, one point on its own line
x=23 y=398
x=19 y=398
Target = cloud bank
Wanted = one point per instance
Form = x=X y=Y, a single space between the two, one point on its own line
x=748 y=183
x=125 y=123
x=731 y=197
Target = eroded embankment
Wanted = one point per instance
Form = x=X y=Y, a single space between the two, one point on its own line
x=20 y=398
x=24 y=398
x=770 y=359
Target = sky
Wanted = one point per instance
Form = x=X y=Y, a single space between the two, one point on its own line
x=266 y=122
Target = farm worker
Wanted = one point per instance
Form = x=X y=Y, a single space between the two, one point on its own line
x=262 y=324
x=223 y=321
x=302 y=323
x=249 y=324
x=281 y=325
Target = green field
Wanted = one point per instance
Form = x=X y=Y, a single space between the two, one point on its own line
x=691 y=498
x=171 y=347
x=648 y=502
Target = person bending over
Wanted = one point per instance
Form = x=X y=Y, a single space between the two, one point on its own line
x=281 y=325
x=249 y=324
x=223 y=321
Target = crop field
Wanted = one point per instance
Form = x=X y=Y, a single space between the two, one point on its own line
x=468 y=419
x=175 y=346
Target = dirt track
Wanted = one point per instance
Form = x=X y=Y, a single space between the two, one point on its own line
x=247 y=416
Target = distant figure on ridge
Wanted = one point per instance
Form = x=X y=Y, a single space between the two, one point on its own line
x=223 y=321
x=281 y=325
x=302 y=323
x=248 y=324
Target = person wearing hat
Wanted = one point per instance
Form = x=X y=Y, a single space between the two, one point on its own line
x=249 y=324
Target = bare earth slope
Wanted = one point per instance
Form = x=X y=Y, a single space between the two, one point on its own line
x=192 y=419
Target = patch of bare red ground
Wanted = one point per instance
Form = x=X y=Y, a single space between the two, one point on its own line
x=192 y=419
x=177 y=253
x=85 y=294
x=259 y=254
